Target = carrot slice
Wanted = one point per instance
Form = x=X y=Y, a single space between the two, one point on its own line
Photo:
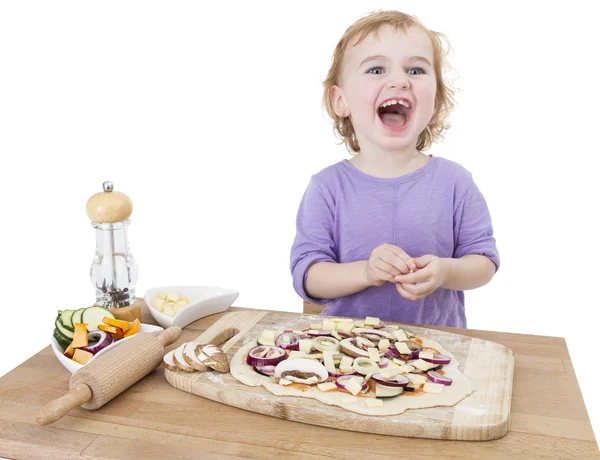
x=124 y=325
x=135 y=327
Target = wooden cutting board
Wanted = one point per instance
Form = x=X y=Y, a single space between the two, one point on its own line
x=481 y=416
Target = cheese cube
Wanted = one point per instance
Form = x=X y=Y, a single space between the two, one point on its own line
x=399 y=361
x=353 y=386
x=423 y=365
x=268 y=335
x=328 y=361
x=345 y=327
x=349 y=400
x=384 y=344
x=297 y=354
x=389 y=373
x=285 y=382
x=306 y=345
x=316 y=326
x=431 y=387
x=298 y=332
x=373 y=402
x=373 y=354
x=406 y=368
x=346 y=361
x=173 y=296
x=400 y=335
x=318 y=356
x=403 y=348
x=161 y=295
x=327 y=386
x=359 y=323
x=343 y=320
x=328 y=325
x=157 y=303
x=417 y=379
x=371 y=321
x=426 y=354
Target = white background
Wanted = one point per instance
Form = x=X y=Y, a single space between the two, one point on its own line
x=209 y=118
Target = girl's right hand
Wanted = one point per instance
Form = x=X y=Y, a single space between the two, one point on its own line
x=385 y=262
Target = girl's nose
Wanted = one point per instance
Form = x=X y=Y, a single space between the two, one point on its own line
x=399 y=83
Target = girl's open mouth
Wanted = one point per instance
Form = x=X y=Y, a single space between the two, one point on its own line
x=395 y=114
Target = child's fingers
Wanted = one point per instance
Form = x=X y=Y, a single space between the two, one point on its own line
x=386 y=266
x=419 y=290
x=398 y=258
x=383 y=275
x=420 y=276
x=414 y=291
x=404 y=293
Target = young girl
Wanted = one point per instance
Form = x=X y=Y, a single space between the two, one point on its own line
x=391 y=233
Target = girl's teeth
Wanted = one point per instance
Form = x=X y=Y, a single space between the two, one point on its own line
x=394 y=101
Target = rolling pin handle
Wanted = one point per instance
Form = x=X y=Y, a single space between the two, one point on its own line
x=57 y=409
x=169 y=336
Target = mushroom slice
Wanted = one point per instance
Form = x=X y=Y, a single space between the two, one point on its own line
x=168 y=361
x=374 y=335
x=179 y=360
x=301 y=370
x=189 y=354
x=349 y=347
x=213 y=357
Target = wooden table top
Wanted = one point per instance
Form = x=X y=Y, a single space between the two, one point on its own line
x=152 y=419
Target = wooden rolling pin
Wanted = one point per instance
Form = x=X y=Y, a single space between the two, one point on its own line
x=110 y=374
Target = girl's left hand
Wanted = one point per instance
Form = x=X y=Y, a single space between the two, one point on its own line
x=431 y=273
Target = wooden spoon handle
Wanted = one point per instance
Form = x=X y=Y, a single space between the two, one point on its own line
x=169 y=336
x=58 y=408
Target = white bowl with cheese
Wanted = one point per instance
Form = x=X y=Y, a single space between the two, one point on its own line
x=200 y=301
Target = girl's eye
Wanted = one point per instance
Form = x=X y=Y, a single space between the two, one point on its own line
x=416 y=68
x=375 y=70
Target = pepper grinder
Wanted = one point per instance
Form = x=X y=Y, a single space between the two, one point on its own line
x=114 y=271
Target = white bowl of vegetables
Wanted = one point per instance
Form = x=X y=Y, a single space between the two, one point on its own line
x=81 y=335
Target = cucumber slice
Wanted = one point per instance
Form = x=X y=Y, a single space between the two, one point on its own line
x=63 y=330
x=65 y=319
x=93 y=316
x=62 y=341
x=76 y=318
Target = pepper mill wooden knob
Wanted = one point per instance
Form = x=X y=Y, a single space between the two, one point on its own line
x=108 y=207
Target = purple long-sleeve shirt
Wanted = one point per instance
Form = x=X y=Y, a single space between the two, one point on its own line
x=345 y=214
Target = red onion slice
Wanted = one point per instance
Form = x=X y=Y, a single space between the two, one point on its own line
x=436 y=377
x=269 y=371
x=437 y=359
x=384 y=362
x=397 y=381
x=104 y=340
x=254 y=358
x=392 y=352
x=340 y=383
x=341 y=374
x=288 y=341
x=345 y=335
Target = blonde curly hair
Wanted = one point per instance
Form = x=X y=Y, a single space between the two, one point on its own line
x=444 y=98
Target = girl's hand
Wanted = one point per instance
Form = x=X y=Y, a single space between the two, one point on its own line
x=385 y=262
x=431 y=274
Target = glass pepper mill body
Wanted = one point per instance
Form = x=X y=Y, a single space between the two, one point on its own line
x=114 y=271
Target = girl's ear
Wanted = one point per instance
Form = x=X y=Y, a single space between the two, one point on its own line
x=339 y=102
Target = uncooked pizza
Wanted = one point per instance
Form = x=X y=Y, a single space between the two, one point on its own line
x=364 y=366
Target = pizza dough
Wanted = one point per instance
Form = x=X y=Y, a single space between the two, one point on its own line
x=452 y=394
